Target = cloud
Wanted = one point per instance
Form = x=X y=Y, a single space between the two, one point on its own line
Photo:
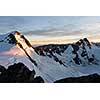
x=67 y=32
x=58 y=31
x=63 y=31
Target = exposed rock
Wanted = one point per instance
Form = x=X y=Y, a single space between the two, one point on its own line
x=18 y=73
x=94 y=78
x=12 y=39
x=77 y=60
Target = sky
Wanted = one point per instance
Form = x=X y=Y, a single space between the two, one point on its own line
x=53 y=29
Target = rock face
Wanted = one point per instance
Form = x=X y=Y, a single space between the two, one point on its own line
x=11 y=39
x=94 y=78
x=80 y=49
x=18 y=73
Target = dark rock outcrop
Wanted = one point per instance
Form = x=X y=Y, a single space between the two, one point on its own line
x=94 y=78
x=18 y=73
x=50 y=49
x=12 y=39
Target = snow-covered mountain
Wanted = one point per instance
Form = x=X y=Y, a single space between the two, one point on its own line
x=51 y=62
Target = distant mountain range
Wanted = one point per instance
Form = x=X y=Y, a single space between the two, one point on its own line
x=51 y=62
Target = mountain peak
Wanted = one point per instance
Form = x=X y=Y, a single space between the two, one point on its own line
x=14 y=32
x=11 y=37
x=18 y=33
x=83 y=42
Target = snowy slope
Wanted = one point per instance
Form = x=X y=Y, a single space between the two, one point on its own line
x=51 y=63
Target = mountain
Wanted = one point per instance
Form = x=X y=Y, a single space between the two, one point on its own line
x=51 y=62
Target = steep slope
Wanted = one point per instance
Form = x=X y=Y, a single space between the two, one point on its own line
x=10 y=52
x=7 y=41
x=52 y=62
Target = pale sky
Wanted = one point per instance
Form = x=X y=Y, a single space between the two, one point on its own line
x=56 y=29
